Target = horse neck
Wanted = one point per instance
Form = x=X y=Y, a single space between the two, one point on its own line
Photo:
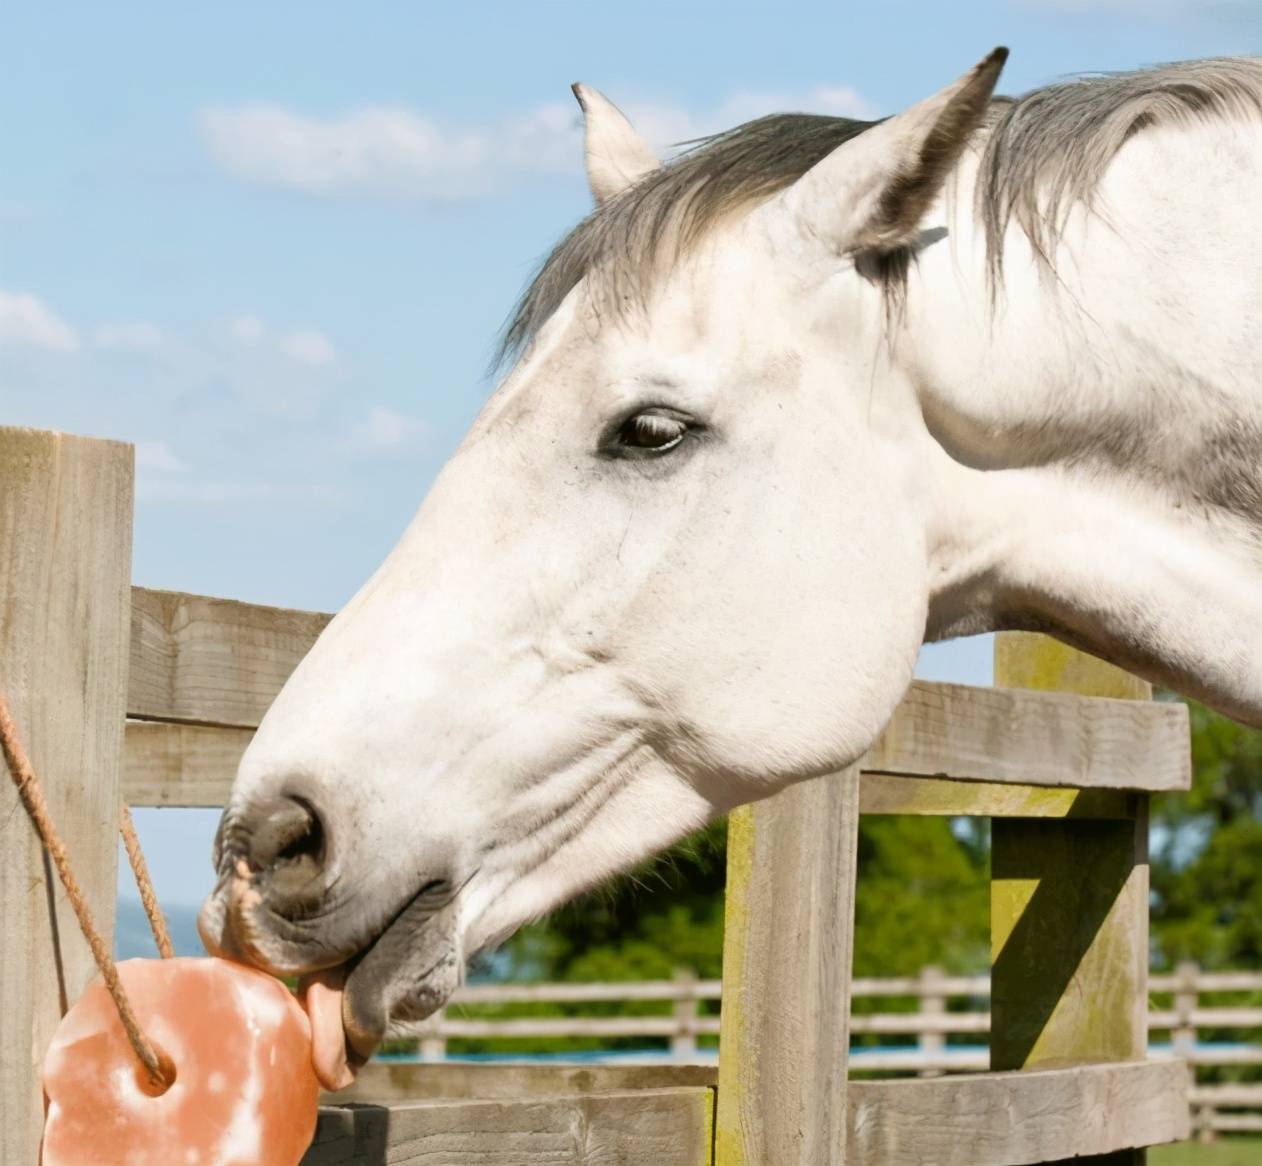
x=1100 y=426
x=1130 y=351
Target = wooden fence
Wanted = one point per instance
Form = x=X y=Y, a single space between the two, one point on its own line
x=1065 y=773
x=928 y=1023
x=1236 y=1028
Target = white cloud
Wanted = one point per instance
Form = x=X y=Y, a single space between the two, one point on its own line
x=308 y=346
x=381 y=151
x=246 y=328
x=230 y=413
x=396 y=152
x=157 y=455
x=385 y=429
x=133 y=336
x=26 y=320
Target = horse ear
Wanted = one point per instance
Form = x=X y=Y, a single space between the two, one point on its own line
x=871 y=193
x=617 y=157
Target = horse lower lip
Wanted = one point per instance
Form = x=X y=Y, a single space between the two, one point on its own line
x=411 y=967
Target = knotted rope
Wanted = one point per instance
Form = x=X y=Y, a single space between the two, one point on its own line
x=157 y=1065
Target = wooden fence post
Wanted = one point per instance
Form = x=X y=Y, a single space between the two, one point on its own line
x=1069 y=907
x=932 y=1003
x=1186 y=1000
x=433 y=1042
x=1203 y=1124
x=683 y=1044
x=784 y=1040
x=65 y=573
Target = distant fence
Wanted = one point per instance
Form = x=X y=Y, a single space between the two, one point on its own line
x=945 y=1006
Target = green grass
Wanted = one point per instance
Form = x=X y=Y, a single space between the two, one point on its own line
x=1224 y=1152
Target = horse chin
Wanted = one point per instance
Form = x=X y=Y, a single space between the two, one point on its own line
x=405 y=975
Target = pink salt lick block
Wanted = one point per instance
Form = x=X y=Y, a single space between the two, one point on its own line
x=245 y=1093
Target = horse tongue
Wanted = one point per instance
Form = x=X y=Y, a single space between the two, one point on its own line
x=322 y=996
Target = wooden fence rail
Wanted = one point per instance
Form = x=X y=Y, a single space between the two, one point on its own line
x=203 y=672
x=931 y=988
x=1215 y=1108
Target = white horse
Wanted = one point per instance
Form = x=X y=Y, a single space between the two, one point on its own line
x=812 y=393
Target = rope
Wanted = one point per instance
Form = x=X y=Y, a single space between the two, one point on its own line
x=148 y=897
x=157 y=1065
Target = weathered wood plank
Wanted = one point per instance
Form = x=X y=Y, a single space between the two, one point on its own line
x=786 y=976
x=1017 y=1119
x=661 y=1127
x=201 y=660
x=1043 y=739
x=608 y=1027
x=1070 y=946
x=192 y=764
x=383 y=1082
x=883 y=793
x=999 y=1119
x=611 y=1027
x=1069 y=912
x=212 y=661
x=593 y=992
x=65 y=565
x=181 y=765
x=1026 y=660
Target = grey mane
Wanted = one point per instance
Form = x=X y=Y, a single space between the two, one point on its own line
x=1048 y=150
x=1044 y=153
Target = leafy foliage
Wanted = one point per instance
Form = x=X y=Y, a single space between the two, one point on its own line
x=923 y=898
x=665 y=914
x=1207 y=854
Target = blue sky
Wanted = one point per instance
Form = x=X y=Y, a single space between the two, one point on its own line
x=272 y=243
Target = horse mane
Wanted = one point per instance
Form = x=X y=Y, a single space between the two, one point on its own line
x=1044 y=153
x=1048 y=150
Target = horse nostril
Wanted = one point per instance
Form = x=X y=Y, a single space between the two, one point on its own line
x=287 y=848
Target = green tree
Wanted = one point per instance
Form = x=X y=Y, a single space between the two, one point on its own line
x=922 y=898
x=666 y=913
x=1207 y=858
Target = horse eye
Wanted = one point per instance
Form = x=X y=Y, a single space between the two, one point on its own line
x=650 y=432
